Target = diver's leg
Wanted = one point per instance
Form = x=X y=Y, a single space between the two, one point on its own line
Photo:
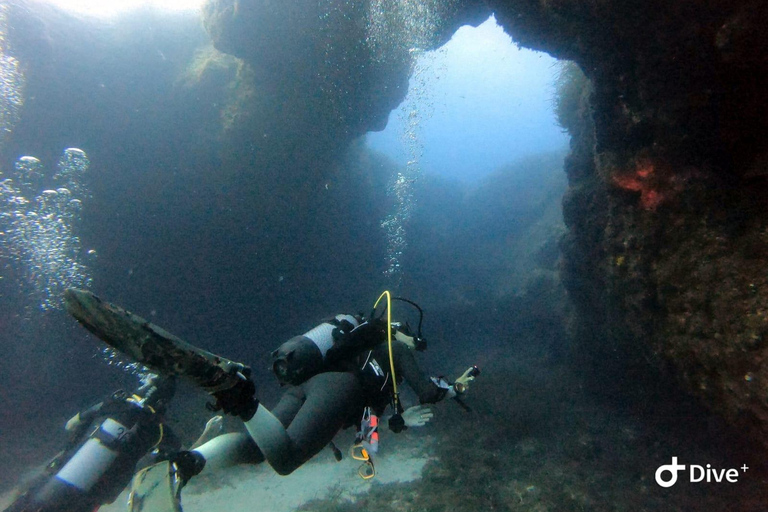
x=289 y=405
x=157 y=487
x=329 y=399
x=229 y=450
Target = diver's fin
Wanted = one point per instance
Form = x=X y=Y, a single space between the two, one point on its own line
x=151 y=345
x=155 y=489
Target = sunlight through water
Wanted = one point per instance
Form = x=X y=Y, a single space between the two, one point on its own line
x=106 y=8
x=407 y=25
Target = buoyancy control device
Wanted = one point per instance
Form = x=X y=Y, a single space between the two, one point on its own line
x=77 y=475
x=336 y=339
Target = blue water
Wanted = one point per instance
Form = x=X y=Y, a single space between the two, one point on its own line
x=238 y=240
x=484 y=103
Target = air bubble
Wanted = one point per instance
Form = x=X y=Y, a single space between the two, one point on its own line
x=396 y=28
x=40 y=229
x=12 y=82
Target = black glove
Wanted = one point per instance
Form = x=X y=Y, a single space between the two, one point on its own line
x=239 y=400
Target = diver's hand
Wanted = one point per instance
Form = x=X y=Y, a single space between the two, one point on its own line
x=73 y=423
x=214 y=426
x=462 y=383
x=417 y=416
x=239 y=400
x=408 y=340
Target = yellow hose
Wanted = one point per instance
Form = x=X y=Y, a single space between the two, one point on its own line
x=137 y=400
x=389 y=342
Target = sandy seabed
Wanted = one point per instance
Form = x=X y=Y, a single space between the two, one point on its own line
x=255 y=488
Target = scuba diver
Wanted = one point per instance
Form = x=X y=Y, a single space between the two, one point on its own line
x=106 y=443
x=344 y=372
x=349 y=390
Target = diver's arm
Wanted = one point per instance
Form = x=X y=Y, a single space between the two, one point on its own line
x=408 y=368
x=430 y=390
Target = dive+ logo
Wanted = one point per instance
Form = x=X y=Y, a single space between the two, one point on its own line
x=697 y=473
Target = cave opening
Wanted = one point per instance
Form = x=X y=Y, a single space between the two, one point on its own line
x=474 y=105
x=212 y=214
x=478 y=159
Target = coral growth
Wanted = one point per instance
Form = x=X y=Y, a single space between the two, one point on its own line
x=641 y=180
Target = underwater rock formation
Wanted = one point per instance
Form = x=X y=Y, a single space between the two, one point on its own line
x=668 y=239
x=313 y=78
x=320 y=74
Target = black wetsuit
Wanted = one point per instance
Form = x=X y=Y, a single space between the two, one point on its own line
x=48 y=493
x=313 y=412
x=378 y=389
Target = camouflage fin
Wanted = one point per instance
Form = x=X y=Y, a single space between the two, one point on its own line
x=155 y=489
x=152 y=345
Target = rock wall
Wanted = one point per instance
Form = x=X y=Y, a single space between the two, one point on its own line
x=320 y=74
x=668 y=237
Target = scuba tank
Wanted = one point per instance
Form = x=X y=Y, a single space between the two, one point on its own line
x=340 y=338
x=302 y=357
x=337 y=339
x=77 y=484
